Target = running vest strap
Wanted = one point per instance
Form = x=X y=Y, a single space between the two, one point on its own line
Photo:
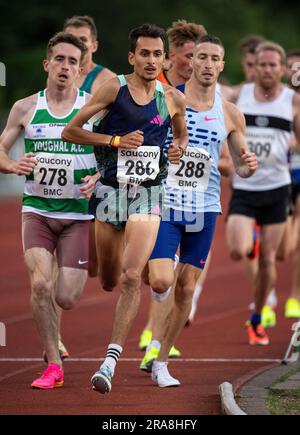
x=268 y=134
x=126 y=116
x=194 y=185
x=52 y=189
x=90 y=78
x=162 y=77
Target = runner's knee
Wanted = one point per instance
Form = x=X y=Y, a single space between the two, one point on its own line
x=160 y=284
x=237 y=254
x=130 y=279
x=67 y=302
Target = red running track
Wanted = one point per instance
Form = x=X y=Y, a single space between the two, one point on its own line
x=217 y=334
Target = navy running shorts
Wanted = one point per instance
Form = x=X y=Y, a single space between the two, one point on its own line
x=193 y=233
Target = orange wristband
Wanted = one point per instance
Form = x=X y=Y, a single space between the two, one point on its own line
x=116 y=141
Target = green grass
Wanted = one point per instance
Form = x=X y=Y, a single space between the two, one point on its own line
x=284 y=403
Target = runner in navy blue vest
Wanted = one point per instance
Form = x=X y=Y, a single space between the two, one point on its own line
x=129 y=142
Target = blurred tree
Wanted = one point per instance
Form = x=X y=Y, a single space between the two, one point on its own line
x=24 y=34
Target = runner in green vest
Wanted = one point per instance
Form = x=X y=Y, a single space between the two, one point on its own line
x=59 y=178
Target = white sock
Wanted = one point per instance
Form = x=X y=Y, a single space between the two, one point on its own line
x=112 y=356
x=272 y=299
x=160 y=297
x=157 y=365
x=154 y=343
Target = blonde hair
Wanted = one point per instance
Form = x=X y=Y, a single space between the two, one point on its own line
x=272 y=46
x=182 y=32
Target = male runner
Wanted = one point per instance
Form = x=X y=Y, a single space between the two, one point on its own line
x=55 y=212
x=181 y=37
x=129 y=142
x=92 y=75
x=193 y=193
x=264 y=198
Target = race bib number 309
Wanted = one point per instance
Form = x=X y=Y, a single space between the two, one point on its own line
x=54 y=176
x=193 y=172
x=139 y=165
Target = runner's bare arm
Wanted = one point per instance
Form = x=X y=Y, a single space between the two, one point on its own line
x=17 y=119
x=177 y=104
x=225 y=162
x=244 y=161
x=104 y=96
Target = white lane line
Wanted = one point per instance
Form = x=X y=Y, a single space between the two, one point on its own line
x=185 y=360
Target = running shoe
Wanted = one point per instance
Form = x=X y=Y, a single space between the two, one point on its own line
x=101 y=381
x=292 y=309
x=145 y=339
x=256 y=241
x=52 y=377
x=257 y=335
x=63 y=353
x=268 y=317
x=161 y=376
x=149 y=358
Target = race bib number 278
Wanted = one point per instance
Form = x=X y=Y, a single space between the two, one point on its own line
x=54 y=176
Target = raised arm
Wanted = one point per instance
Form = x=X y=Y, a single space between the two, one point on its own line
x=15 y=123
x=102 y=99
x=245 y=162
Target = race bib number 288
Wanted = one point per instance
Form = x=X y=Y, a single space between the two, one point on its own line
x=54 y=176
x=193 y=172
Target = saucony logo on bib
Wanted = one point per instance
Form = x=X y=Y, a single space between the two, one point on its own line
x=140 y=153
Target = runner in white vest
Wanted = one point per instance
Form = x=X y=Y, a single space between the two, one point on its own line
x=270 y=110
x=59 y=178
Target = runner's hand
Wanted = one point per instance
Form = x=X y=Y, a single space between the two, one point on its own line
x=132 y=140
x=25 y=166
x=249 y=161
x=174 y=154
x=89 y=187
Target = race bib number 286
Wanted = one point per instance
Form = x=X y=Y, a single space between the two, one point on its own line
x=138 y=165
x=193 y=172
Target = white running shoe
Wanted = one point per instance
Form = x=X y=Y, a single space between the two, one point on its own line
x=161 y=376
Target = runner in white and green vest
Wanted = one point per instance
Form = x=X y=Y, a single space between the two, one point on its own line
x=59 y=178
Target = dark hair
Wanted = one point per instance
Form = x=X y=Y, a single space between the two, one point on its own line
x=82 y=21
x=148 y=31
x=182 y=32
x=67 y=38
x=293 y=53
x=250 y=43
x=212 y=39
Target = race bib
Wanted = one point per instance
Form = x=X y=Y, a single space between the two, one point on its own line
x=54 y=176
x=263 y=146
x=139 y=165
x=193 y=172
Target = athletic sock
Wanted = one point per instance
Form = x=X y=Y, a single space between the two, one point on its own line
x=255 y=320
x=112 y=356
x=154 y=343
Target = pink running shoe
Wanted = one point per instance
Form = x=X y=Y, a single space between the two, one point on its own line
x=52 y=377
